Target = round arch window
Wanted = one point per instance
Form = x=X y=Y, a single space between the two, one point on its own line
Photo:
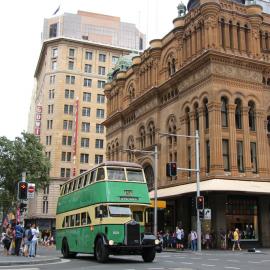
x=149 y=175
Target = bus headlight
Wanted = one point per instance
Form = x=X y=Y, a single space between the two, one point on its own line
x=111 y=242
x=156 y=242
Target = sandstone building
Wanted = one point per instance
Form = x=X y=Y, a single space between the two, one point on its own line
x=68 y=104
x=210 y=73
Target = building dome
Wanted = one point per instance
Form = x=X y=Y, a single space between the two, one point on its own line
x=123 y=64
x=195 y=3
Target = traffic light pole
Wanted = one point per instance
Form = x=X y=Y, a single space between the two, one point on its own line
x=155 y=154
x=197 y=150
x=197 y=170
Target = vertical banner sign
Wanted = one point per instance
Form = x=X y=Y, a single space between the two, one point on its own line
x=75 y=135
x=38 y=120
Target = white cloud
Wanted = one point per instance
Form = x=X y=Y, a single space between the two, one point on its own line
x=21 y=26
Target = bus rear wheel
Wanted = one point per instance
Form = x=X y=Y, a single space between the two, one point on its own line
x=149 y=254
x=65 y=250
x=101 y=251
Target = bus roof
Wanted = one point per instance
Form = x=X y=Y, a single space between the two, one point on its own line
x=119 y=163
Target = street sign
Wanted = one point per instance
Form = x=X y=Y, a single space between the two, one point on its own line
x=31 y=190
x=207 y=213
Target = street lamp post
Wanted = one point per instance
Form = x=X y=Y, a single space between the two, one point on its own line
x=155 y=154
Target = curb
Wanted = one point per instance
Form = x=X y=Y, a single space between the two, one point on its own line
x=30 y=262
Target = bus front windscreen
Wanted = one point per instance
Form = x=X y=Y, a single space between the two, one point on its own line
x=135 y=175
x=116 y=174
x=119 y=211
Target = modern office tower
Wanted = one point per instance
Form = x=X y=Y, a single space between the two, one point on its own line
x=68 y=104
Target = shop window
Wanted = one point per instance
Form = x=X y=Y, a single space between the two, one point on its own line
x=242 y=213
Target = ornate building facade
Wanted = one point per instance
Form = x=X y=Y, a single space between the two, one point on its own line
x=210 y=73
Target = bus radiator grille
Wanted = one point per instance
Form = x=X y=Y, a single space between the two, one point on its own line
x=132 y=234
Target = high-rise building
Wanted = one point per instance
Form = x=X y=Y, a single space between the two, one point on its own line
x=68 y=103
x=210 y=73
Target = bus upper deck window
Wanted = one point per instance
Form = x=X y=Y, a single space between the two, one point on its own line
x=69 y=187
x=135 y=175
x=116 y=173
x=78 y=220
x=64 y=187
x=93 y=176
x=85 y=182
x=88 y=219
x=80 y=182
x=100 y=174
x=74 y=185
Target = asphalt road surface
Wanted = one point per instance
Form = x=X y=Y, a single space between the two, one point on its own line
x=216 y=260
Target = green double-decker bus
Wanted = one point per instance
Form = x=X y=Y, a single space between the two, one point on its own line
x=102 y=212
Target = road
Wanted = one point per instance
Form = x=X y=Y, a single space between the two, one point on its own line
x=216 y=260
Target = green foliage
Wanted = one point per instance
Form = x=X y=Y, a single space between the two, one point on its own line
x=24 y=154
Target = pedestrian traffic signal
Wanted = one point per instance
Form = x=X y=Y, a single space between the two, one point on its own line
x=171 y=169
x=201 y=214
x=200 y=202
x=22 y=190
x=23 y=207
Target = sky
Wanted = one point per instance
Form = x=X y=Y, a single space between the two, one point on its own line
x=21 y=26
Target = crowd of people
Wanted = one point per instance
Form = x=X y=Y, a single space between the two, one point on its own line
x=18 y=240
x=179 y=240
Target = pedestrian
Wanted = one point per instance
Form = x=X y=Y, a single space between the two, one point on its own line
x=32 y=238
x=194 y=239
x=18 y=237
x=7 y=239
x=236 y=239
x=207 y=240
x=222 y=236
x=26 y=242
x=179 y=238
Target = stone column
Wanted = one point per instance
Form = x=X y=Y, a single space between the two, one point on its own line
x=202 y=142
x=247 y=161
x=232 y=141
x=227 y=36
x=235 y=38
x=261 y=143
x=215 y=135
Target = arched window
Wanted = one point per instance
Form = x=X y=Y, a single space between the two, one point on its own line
x=197 y=121
x=172 y=130
x=131 y=146
x=151 y=132
x=222 y=33
x=268 y=123
x=117 y=151
x=206 y=114
x=149 y=175
x=251 y=116
x=238 y=114
x=169 y=69
x=113 y=151
x=231 y=34
x=238 y=36
x=224 y=112
x=109 y=153
x=188 y=121
x=142 y=137
x=131 y=92
x=173 y=69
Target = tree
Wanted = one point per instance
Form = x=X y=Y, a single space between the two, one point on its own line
x=24 y=154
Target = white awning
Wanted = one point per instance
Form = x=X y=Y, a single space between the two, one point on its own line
x=215 y=185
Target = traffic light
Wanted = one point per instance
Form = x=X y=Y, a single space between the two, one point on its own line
x=200 y=202
x=22 y=190
x=201 y=214
x=23 y=207
x=171 y=169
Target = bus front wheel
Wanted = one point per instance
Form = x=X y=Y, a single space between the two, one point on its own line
x=149 y=254
x=101 y=251
x=65 y=250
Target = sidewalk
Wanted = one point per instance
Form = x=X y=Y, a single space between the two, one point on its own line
x=46 y=256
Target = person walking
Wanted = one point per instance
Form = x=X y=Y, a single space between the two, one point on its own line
x=179 y=238
x=26 y=242
x=32 y=238
x=193 y=237
x=236 y=239
x=7 y=239
x=18 y=237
